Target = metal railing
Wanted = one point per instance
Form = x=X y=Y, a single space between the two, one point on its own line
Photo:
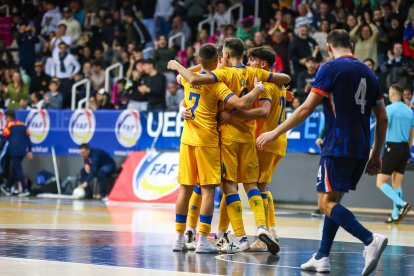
x=208 y=20
x=7 y=8
x=85 y=82
x=108 y=70
x=171 y=39
x=83 y=101
x=241 y=9
x=257 y=20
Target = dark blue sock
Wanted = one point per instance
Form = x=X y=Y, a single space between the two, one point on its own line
x=346 y=219
x=328 y=235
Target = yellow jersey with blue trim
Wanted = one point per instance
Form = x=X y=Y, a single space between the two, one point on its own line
x=240 y=80
x=276 y=95
x=203 y=101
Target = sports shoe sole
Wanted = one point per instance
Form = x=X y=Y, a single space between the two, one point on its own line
x=5 y=191
x=272 y=247
x=405 y=211
x=374 y=264
x=179 y=250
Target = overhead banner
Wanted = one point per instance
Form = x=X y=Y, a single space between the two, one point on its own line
x=123 y=132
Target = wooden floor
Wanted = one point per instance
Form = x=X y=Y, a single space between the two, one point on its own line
x=65 y=237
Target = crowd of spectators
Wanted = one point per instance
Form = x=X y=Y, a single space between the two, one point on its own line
x=57 y=43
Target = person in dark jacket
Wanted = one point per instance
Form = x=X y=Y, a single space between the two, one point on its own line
x=19 y=145
x=97 y=163
x=136 y=31
x=40 y=81
x=153 y=84
x=26 y=39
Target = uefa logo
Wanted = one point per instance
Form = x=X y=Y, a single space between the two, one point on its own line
x=156 y=176
x=38 y=124
x=128 y=128
x=82 y=126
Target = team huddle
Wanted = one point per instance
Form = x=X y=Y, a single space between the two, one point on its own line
x=235 y=132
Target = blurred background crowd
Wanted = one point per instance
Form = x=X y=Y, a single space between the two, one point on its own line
x=47 y=46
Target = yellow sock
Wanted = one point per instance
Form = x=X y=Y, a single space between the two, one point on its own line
x=271 y=218
x=234 y=210
x=194 y=207
x=224 y=221
x=256 y=204
x=180 y=223
x=266 y=208
x=205 y=225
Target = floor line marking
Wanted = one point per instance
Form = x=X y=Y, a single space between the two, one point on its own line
x=239 y=262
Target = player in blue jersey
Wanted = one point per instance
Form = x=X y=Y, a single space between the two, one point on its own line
x=349 y=91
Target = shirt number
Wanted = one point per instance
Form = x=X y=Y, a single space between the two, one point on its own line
x=195 y=105
x=361 y=94
x=282 y=111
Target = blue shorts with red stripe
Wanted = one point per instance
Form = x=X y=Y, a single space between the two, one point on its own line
x=339 y=173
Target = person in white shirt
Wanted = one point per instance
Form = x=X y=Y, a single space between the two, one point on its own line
x=65 y=67
x=305 y=17
x=60 y=37
x=222 y=16
x=51 y=18
x=73 y=27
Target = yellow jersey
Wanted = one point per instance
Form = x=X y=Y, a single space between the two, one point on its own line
x=240 y=80
x=277 y=115
x=204 y=103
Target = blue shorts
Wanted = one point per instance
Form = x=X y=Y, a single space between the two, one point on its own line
x=339 y=173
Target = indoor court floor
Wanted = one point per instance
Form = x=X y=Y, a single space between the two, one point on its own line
x=65 y=237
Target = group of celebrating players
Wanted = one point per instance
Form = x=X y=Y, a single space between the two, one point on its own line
x=235 y=132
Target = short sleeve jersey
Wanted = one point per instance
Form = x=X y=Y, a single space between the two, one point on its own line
x=351 y=90
x=276 y=95
x=400 y=122
x=240 y=80
x=204 y=103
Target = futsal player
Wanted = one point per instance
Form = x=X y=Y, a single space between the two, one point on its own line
x=349 y=91
x=400 y=134
x=240 y=162
x=269 y=112
x=199 y=150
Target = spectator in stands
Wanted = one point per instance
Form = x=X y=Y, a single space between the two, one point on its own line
x=102 y=100
x=396 y=32
x=93 y=105
x=26 y=40
x=73 y=27
x=65 y=67
x=98 y=76
x=138 y=98
x=296 y=103
x=153 y=83
x=163 y=12
x=20 y=146
x=351 y=22
x=383 y=45
x=247 y=29
x=36 y=101
x=221 y=15
x=61 y=36
x=280 y=45
x=77 y=10
x=321 y=35
x=122 y=97
x=85 y=55
x=40 y=80
x=306 y=78
x=163 y=54
x=51 y=18
x=195 y=11
x=324 y=13
x=305 y=17
x=17 y=92
x=136 y=32
x=87 y=69
x=97 y=163
x=399 y=69
x=53 y=99
x=408 y=97
x=365 y=38
x=259 y=39
x=174 y=96
x=186 y=57
x=302 y=47
x=370 y=63
x=408 y=41
x=178 y=26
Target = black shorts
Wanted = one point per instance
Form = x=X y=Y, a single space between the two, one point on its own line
x=395 y=158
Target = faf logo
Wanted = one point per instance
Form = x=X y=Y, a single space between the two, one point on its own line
x=156 y=176
x=82 y=126
x=38 y=124
x=128 y=128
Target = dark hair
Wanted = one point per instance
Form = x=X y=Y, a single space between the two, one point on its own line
x=55 y=82
x=220 y=50
x=236 y=47
x=397 y=88
x=310 y=58
x=263 y=53
x=364 y=25
x=96 y=63
x=63 y=24
x=11 y=114
x=149 y=61
x=63 y=43
x=121 y=81
x=370 y=60
x=208 y=55
x=129 y=13
x=339 y=39
x=84 y=146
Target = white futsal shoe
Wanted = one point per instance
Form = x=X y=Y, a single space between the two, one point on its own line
x=264 y=236
x=372 y=253
x=179 y=245
x=206 y=247
x=258 y=246
x=321 y=265
x=274 y=234
x=190 y=240
x=238 y=244
x=222 y=241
